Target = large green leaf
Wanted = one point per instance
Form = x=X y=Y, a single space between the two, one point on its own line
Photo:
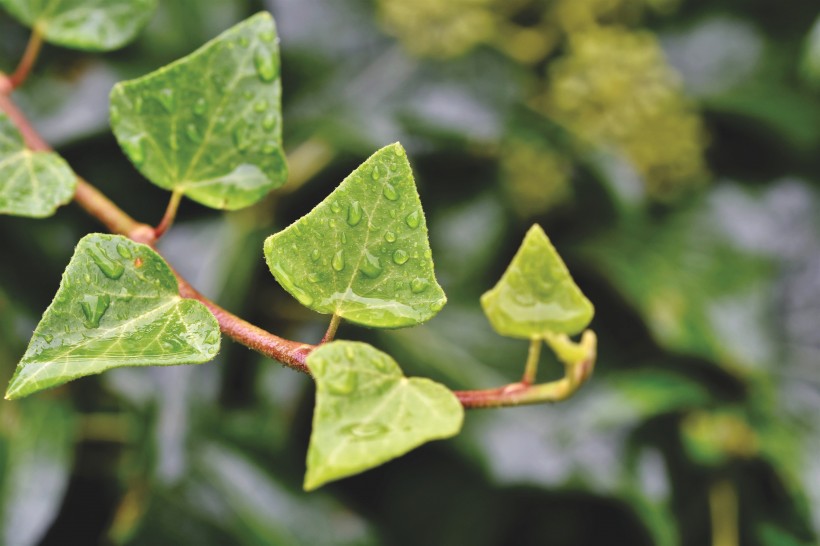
x=31 y=183
x=117 y=305
x=536 y=297
x=209 y=125
x=363 y=253
x=367 y=412
x=95 y=25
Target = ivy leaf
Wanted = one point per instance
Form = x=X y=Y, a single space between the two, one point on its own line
x=367 y=412
x=93 y=25
x=536 y=297
x=363 y=252
x=31 y=183
x=210 y=124
x=117 y=305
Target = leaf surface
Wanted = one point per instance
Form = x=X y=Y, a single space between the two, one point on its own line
x=31 y=183
x=210 y=124
x=536 y=297
x=363 y=252
x=94 y=25
x=117 y=305
x=367 y=412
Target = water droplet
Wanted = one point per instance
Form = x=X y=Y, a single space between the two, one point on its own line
x=418 y=285
x=437 y=305
x=260 y=106
x=376 y=174
x=135 y=151
x=166 y=99
x=366 y=431
x=343 y=237
x=389 y=236
x=314 y=255
x=392 y=214
x=390 y=192
x=370 y=265
x=200 y=106
x=269 y=147
x=48 y=337
x=413 y=219
x=341 y=382
x=399 y=151
x=94 y=307
x=332 y=223
x=267 y=36
x=112 y=269
x=354 y=213
x=265 y=64
x=241 y=138
x=400 y=257
x=212 y=337
x=313 y=277
x=269 y=122
x=335 y=207
x=193 y=133
x=123 y=251
x=243 y=41
x=338 y=261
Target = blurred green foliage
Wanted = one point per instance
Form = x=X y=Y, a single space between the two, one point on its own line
x=668 y=148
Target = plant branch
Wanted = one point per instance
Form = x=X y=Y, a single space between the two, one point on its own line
x=290 y=353
x=35 y=43
x=331 y=329
x=170 y=214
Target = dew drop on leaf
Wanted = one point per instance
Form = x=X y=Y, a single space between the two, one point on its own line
x=413 y=219
x=338 y=261
x=335 y=207
x=390 y=192
x=200 y=106
x=265 y=65
x=123 y=251
x=400 y=257
x=370 y=265
x=193 y=133
x=418 y=285
x=260 y=106
x=389 y=236
x=367 y=431
x=315 y=254
x=354 y=213
x=110 y=268
x=94 y=307
x=166 y=99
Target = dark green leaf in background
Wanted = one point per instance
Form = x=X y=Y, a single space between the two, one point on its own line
x=118 y=305
x=31 y=183
x=363 y=253
x=95 y=25
x=209 y=125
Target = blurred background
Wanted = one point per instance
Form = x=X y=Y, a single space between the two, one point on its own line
x=668 y=147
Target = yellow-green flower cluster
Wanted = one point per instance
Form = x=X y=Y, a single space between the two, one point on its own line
x=534 y=175
x=613 y=88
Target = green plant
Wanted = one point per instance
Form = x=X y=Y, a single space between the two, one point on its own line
x=208 y=127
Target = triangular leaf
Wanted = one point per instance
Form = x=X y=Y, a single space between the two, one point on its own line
x=118 y=305
x=31 y=183
x=94 y=25
x=363 y=252
x=210 y=124
x=536 y=296
x=367 y=412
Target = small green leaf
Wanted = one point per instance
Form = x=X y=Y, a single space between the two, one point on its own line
x=31 y=183
x=536 y=297
x=367 y=412
x=93 y=25
x=209 y=124
x=117 y=305
x=363 y=253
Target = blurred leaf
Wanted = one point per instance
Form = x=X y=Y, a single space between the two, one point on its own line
x=39 y=448
x=367 y=412
x=536 y=297
x=31 y=183
x=118 y=305
x=810 y=64
x=210 y=124
x=95 y=25
x=363 y=253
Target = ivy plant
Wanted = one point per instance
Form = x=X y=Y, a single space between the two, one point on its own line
x=209 y=127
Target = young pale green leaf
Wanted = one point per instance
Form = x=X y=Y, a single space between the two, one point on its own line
x=209 y=125
x=31 y=183
x=536 y=297
x=367 y=412
x=93 y=25
x=363 y=253
x=117 y=305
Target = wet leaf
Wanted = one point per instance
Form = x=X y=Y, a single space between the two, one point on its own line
x=367 y=412
x=363 y=253
x=95 y=25
x=117 y=305
x=209 y=125
x=31 y=183
x=536 y=297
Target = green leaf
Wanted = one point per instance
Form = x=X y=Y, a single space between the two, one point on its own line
x=363 y=253
x=367 y=412
x=31 y=183
x=117 y=305
x=94 y=25
x=536 y=297
x=210 y=124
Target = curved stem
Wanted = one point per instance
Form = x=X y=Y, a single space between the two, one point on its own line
x=35 y=43
x=170 y=214
x=331 y=329
x=531 y=368
x=290 y=353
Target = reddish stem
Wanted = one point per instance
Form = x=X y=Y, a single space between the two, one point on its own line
x=35 y=43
